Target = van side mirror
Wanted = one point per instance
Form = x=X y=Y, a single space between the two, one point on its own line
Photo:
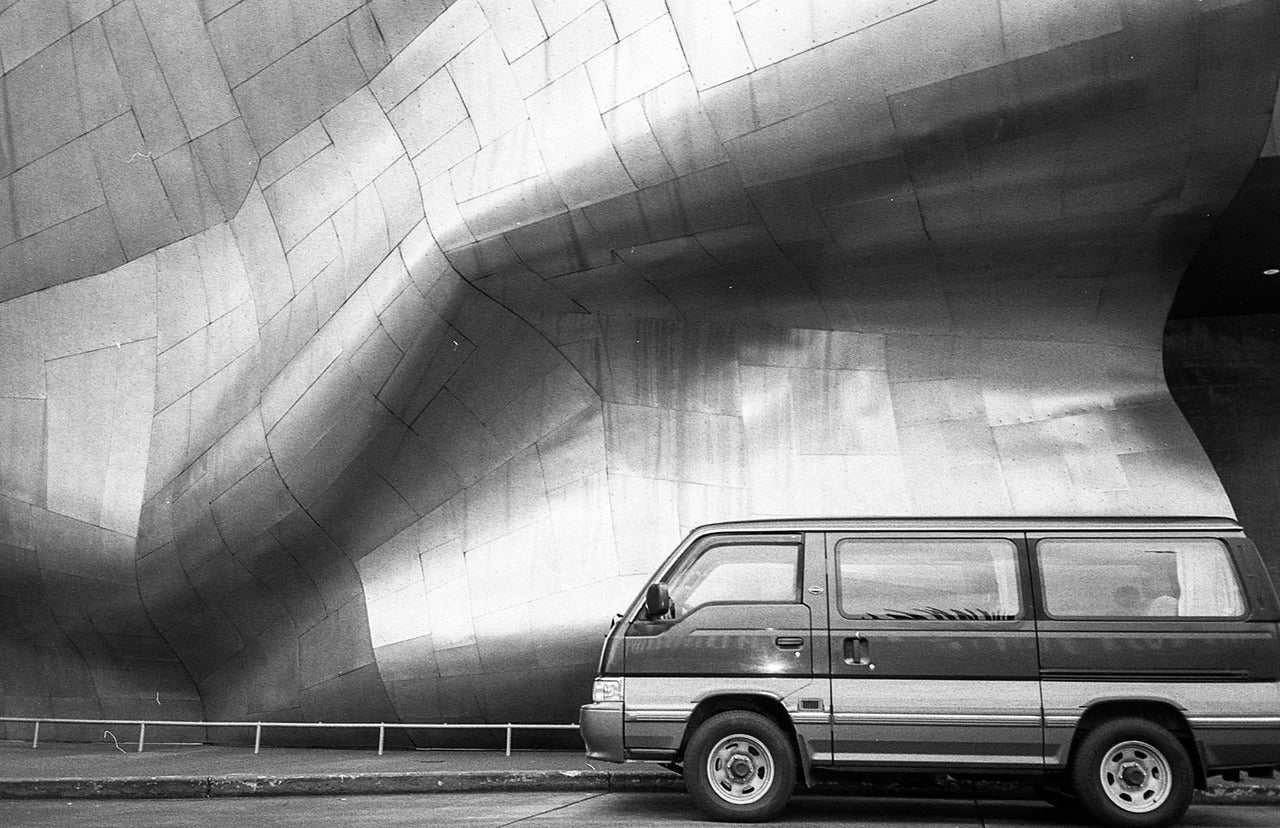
x=657 y=601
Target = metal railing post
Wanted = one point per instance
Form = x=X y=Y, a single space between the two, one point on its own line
x=508 y=738
x=257 y=737
x=142 y=735
x=382 y=736
x=35 y=740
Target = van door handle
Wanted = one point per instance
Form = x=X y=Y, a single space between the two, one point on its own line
x=857 y=650
x=787 y=643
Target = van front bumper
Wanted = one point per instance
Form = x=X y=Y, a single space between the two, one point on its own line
x=601 y=727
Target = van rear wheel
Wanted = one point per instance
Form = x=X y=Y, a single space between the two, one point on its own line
x=740 y=767
x=1132 y=773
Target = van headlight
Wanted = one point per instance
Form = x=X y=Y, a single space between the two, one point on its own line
x=606 y=690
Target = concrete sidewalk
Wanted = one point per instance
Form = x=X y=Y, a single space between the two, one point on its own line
x=80 y=771
x=76 y=770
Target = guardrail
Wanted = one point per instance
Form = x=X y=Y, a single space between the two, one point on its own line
x=381 y=727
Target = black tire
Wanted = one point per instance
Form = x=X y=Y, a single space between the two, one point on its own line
x=1132 y=773
x=739 y=766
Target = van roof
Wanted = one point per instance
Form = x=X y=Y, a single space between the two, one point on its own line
x=972 y=524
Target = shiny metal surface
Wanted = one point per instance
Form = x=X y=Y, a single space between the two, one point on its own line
x=361 y=362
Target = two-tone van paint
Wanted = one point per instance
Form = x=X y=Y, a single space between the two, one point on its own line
x=1120 y=661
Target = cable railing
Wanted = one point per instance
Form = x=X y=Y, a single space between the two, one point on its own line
x=258 y=727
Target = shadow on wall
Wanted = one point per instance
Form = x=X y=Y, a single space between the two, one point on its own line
x=1222 y=373
x=1222 y=348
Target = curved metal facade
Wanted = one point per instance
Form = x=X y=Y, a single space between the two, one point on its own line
x=359 y=360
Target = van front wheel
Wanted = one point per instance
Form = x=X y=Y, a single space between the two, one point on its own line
x=1132 y=773
x=739 y=767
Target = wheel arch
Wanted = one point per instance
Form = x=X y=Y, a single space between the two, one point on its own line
x=1159 y=712
x=762 y=703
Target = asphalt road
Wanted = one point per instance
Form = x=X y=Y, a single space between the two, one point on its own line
x=552 y=810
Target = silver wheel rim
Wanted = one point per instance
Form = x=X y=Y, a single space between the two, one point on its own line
x=740 y=769
x=1135 y=777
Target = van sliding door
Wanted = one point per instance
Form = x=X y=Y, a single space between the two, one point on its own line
x=932 y=648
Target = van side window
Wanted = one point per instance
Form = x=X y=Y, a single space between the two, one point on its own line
x=754 y=573
x=928 y=580
x=1123 y=578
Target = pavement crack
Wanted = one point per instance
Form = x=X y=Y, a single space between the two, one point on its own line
x=553 y=810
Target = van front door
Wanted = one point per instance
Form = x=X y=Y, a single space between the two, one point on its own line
x=933 y=652
x=737 y=625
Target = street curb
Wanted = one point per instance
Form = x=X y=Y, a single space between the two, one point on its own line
x=115 y=788
x=1238 y=795
x=349 y=784
x=359 y=784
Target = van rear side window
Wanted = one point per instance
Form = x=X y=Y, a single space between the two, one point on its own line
x=1126 y=578
x=928 y=580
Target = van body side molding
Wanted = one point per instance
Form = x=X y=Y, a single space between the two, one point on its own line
x=657 y=715
x=1146 y=675
x=956 y=719
x=1215 y=722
